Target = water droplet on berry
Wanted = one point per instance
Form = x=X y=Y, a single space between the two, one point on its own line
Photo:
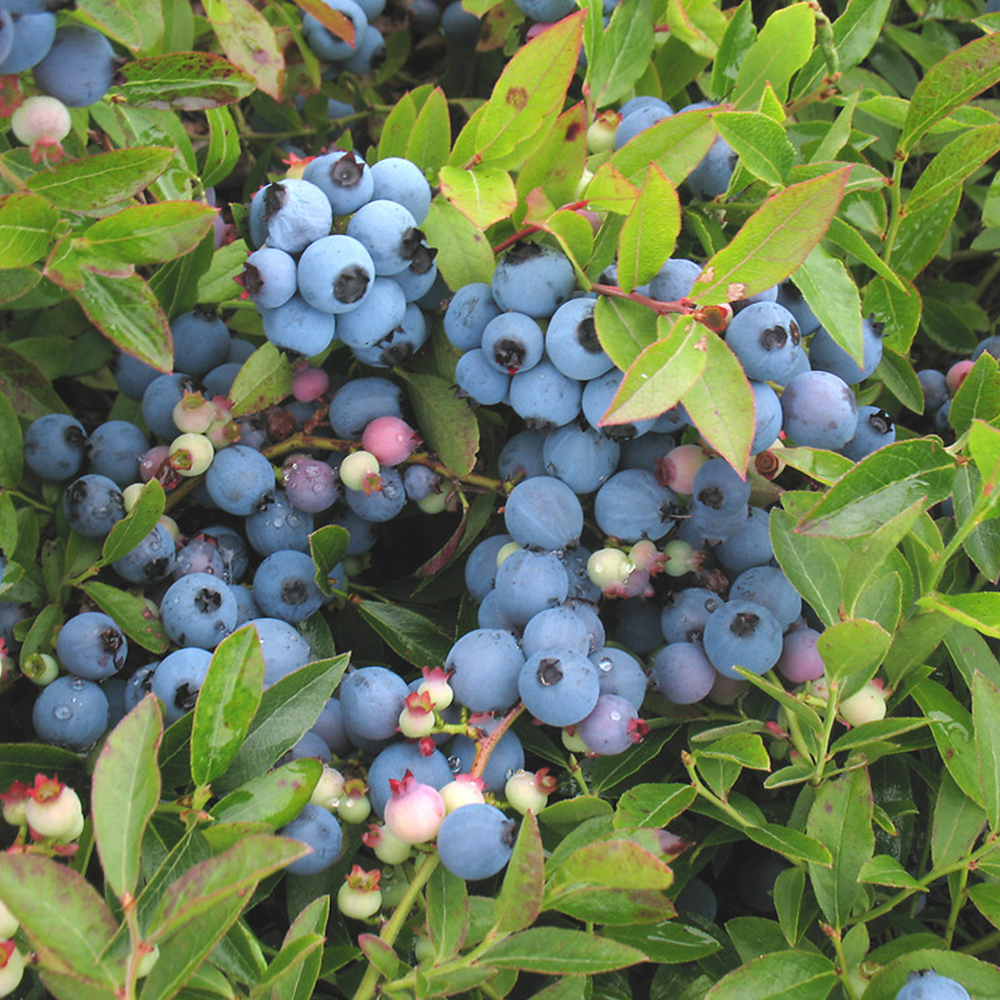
x=454 y=763
x=604 y=664
x=63 y=713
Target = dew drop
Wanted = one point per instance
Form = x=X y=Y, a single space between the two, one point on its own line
x=454 y=763
x=63 y=713
x=604 y=664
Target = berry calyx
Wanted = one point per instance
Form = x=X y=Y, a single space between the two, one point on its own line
x=417 y=717
x=387 y=846
x=11 y=968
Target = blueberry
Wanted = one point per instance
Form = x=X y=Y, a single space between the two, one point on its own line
x=372 y=698
x=620 y=673
x=683 y=673
x=765 y=338
x=289 y=214
x=238 y=478
x=343 y=177
x=336 y=273
x=388 y=232
x=528 y=582
x=201 y=342
x=559 y=687
x=684 y=617
x=54 y=446
x=742 y=633
x=178 y=679
x=380 y=505
x=875 y=429
x=78 y=68
x=34 y=34
x=674 y=280
x=298 y=326
x=358 y=403
x=826 y=354
x=481 y=566
x=544 y=397
x=598 y=395
x=513 y=342
x=93 y=505
x=198 y=610
x=506 y=757
x=276 y=524
x=534 y=279
x=478 y=378
x=159 y=400
x=400 y=180
x=567 y=626
x=284 y=586
x=639 y=119
x=476 y=841
x=327 y=45
x=926 y=984
x=151 y=560
x=375 y=317
x=769 y=586
x=820 y=410
x=470 y=310
x=571 y=341
x=395 y=760
x=114 y=450
x=71 y=712
x=543 y=513
x=270 y=277
x=611 y=727
x=632 y=505
x=486 y=664
x=318 y=829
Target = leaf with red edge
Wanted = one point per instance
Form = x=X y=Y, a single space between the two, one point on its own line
x=773 y=242
x=249 y=42
x=650 y=231
x=186 y=81
x=340 y=24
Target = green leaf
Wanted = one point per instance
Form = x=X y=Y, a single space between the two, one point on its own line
x=17 y=282
x=880 y=486
x=101 y=180
x=328 y=546
x=849 y=239
x=830 y=291
x=899 y=310
x=447 y=913
x=126 y=792
x=745 y=749
x=228 y=874
x=135 y=525
x=653 y=805
x=429 y=138
x=11 y=450
x=228 y=700
x=557 y=166
x=718 y=405
x=288 y=709
x=276 y=797
x=312 y=921
x=223 y=148
x=896 y=373
x=531 y=90
x=333 y=20
x=127 y=313
x=184 y=953
x=464 y=254
x=407 y=632
x=676 y=145
x=738 y=39
x=783 y=975
x=264 y=379
x=884 y=869
x=663 y=372
x=623 y=54
x=625 y=329
x=520 y=900
x=825 y=466
x=64 y=918
x=573 y=812
x=557 y=952
x=978 y=397
x=782 y=47
x=979 y=611
x=27 y=223
x=760 y=142
x=950 y=83
x=400 y=121
x=613 y=906
x=650 y=231
x=176 y=283
x=986 y=898
x=613 y=770
x=952 y=729
x=183 y=81
x=773 y=242
x=138 y=616
x=921 y=235
x=953 y=165
x=985 y=708
x=217 y=284
x=841 y=818
x=448 y=424
x=791 y=843
x=981 y=979
x=984 y=443
x=616 y=864
x=957 y=823
x=250 y=43
x=149 y=234
x=668 y=943
x=982 y=544
x=483 y=194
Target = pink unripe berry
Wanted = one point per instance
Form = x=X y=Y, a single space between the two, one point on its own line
x=956 y=375
x=678 y=467
x=387 y=846
x=151 y=463
x=8 y=922
x=191 y=454
x=11 y=968
x=358 y=469
x=645 y=556
x=359 y=897
x=868 y=705
x=194 y=413
x=54 y=810
x=727 y=690
x=417 y=717
x=309 y=384
x=527 y=791
x=435 y=684
x=42 y=122
x=800 y=660
x=415 y=811
x=466 y=789
x=390 y=440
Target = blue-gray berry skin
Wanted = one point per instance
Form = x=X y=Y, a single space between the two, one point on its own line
x=283 y=647
x=826 y=354
x=401 y=180
x=198 y=610
x=820 y=410
x=54 y=446
x=344 y=178
x=92 y=646
x=571 y=341
x=372 y=698
x=485 y=665
x=289 y=214
x=78 y=68
x=114 y=450
x=318 y=829
x=471 y=308
x=875 y=430
x=476 y=841
x=177 y=680
x=238 y=478
x=765 y=338
x=533 y=279
x=71 y=712
x=284 y=586
x=201 y=341
x=297 y=326
x=34 y=34
x=93 y=505
x=388 y=232
x=632 y=505
x=926 y=984
x=745 y=634
x=559 y=687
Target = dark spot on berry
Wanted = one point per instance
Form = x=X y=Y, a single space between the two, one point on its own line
x=185 y=697
x=294 y=592
x=549 y=671
x=509 y=354
x=522 y=253
x=586 y=336
x=744 y=624
x=509 y=831
x=266 y=500
x=619 y=432
x=881 y=422
x=773 y=338
x=712 y=496
x=207 y=600
x=350 y=285
x=74 y=437
x=396 y=354
x=422 y=259
x=347 y=171
x=252 y=281
x=275 y=198
x=878 y=327
x=111 y=640
x=410 y=243
x=76 y=494
x=793 y=329
x=156 y=569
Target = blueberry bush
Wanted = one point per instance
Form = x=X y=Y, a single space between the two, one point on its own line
x=499 y=499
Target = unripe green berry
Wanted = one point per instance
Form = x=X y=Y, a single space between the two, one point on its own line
x=868 y=705
x=607 y=567
x=8 y=922
x=355 y=809
x=357 y=469
x=191 y=454
x=329 y=789
x=506 y=550
x=433 y=503
x=131 y=494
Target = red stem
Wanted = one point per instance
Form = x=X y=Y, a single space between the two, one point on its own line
x=486 y=747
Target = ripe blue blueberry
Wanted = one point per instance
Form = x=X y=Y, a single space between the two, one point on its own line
x=93 y=505
x=289 y=214
x=238 y=478
x=285 y=587
x=372 y=698
x=177 y=680
x=91 y=645
x=485 y=665
x=54 y=446
x=745 y=634
x=476 y=841
x=198 y=610
x=559 y=687
x=316 y=828
x=78 y=68
x=926 y=984
x=533 y=279
x=70 y=712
